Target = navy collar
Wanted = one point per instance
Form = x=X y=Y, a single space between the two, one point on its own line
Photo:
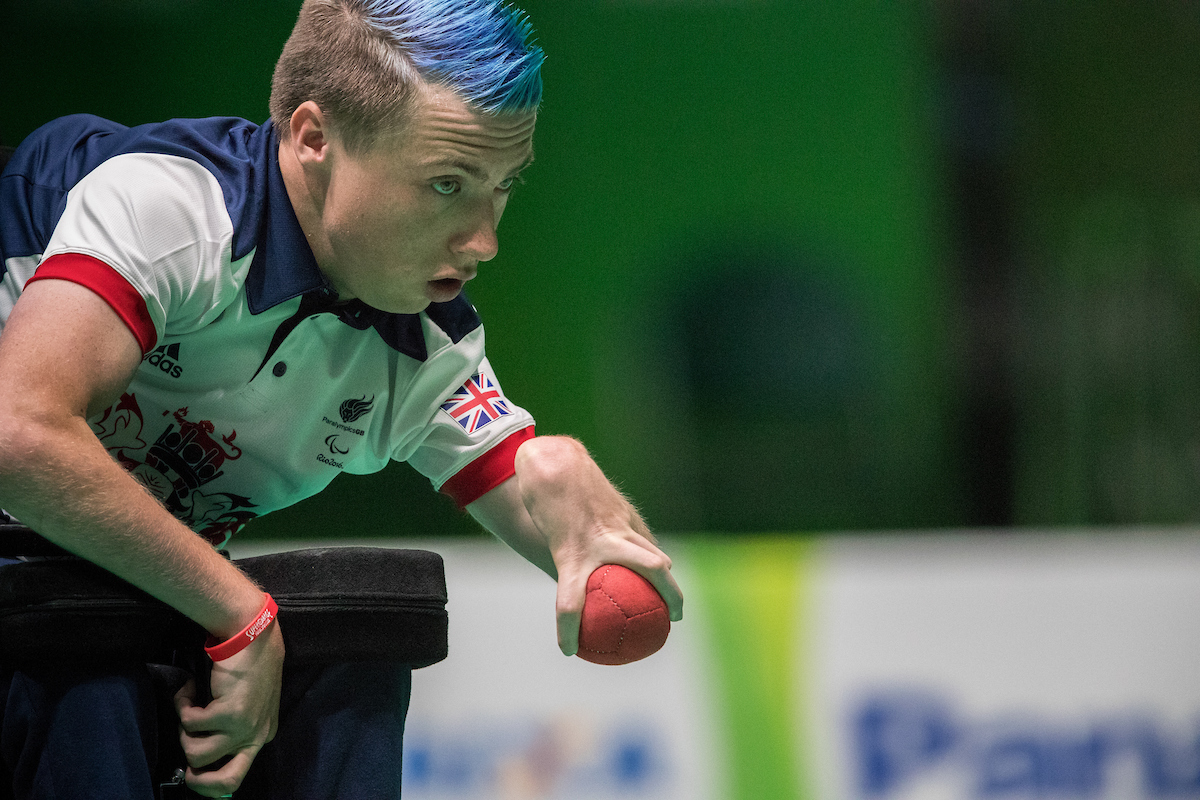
x=284 y=268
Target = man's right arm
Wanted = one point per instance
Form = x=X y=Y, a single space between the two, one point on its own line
x=65 y=354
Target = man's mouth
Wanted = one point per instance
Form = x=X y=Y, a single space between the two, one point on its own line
x=445 y=289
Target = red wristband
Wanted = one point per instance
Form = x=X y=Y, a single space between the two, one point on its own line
x=219 y=651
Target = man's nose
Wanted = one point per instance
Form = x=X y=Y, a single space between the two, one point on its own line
x=478 y=238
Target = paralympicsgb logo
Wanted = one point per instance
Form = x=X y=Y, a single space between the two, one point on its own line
x=353 y=409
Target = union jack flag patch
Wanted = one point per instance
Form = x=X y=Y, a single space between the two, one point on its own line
x=477 y=403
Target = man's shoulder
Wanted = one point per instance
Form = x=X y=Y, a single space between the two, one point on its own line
x=235 y=152
x=63 y=151
x=103 y=137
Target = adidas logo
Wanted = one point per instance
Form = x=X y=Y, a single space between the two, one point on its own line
x=166 y=358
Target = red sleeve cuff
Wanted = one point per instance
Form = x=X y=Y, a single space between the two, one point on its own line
x=486 y=472
x=112 y=287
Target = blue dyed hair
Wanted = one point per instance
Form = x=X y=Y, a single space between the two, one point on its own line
x=361 y=61
x=476 y=47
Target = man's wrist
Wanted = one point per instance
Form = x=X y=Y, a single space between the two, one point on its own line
x=219 y=650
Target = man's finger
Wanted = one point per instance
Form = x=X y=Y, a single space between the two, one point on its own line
x=568 y=633
x=655 y=566
x=645 y=543
x=186 y=696
x=568 y=608
x=223 y=781
x=664 y=583
x=216 y=716
x=205 y=749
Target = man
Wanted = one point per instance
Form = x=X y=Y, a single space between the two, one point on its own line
x=206 y=320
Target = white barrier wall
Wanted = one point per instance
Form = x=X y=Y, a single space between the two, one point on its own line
x=1007 y=666
x=892 y=667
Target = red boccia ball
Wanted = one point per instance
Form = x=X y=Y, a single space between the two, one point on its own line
x=624 y=619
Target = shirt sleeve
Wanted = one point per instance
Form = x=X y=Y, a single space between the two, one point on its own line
x=105 y=281
x=146 y=227
x=471 y=441
x=487 y=471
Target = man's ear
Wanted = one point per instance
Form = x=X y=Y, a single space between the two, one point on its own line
x=310 y=134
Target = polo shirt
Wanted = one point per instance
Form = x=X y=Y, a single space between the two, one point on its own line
x=256 y=387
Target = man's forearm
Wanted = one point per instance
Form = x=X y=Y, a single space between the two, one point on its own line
x=56 y=477
x=557 y=497
x=502 y=512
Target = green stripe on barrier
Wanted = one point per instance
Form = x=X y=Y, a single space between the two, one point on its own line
x=752 y=592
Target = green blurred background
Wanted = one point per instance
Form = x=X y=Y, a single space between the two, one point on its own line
x=788 y=265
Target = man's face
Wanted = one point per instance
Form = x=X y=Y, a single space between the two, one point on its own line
x=407 y=222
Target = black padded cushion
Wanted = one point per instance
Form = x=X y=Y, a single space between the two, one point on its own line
x=357 y=603
x=335 y=604
x=67 y=609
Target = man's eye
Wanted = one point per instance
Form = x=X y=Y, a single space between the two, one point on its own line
x=508 y=183
x=446 y=187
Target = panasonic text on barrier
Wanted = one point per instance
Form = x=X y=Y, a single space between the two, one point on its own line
x=470 y=761
x=903 y=738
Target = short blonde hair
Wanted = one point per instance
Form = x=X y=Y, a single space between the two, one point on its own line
x=361 y=61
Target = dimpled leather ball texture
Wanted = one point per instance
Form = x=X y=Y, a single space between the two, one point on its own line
x=623 y=620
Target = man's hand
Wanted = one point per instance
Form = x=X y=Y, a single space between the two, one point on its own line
x=564 y=515
x=241 y=717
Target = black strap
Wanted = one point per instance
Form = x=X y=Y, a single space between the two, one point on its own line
x=17 y=540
